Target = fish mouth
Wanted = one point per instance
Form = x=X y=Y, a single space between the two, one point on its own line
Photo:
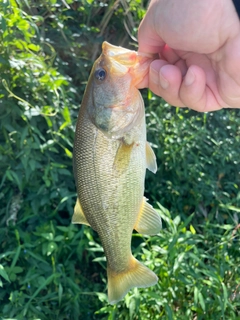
x=122 y=61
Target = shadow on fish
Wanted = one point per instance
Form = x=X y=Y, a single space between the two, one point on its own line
x=111 y=155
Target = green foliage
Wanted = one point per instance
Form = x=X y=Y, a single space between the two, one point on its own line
x=198 y=159
x=198 y=273
x=51 y=269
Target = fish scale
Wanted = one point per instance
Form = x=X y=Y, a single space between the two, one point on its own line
x=97 y=165
x=110 y=159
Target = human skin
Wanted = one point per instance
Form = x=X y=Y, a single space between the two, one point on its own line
x=198 y=45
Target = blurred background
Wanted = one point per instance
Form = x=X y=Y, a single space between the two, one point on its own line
x=50 y=269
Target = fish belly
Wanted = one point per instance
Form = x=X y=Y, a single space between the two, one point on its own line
x=110 y=193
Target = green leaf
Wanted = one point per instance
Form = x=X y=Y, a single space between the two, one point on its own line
x=23 y=25
x=34 y=47
x=68 y=152
x=3 y=23
x=17 y=269
x=16 y=257
x=225 y=296
x=193 y=231
x=51 y=247
x=41 y=287
x=230 y=207
x=48 y=236
x=169 y=312
x=60 y=294
x=12 y=277
x=201 y=301
x=3 y=273
x=59 y=238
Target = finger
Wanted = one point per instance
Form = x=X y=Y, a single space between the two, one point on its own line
x=165 y=81
x=169 y=55
x=148 y=39
x=196 y=94
x=172 y=57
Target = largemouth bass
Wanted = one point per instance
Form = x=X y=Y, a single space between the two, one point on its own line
x=111 y=155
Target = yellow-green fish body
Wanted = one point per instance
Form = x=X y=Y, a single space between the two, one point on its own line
x=110 y=159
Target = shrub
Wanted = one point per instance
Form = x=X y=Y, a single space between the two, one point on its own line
x=51 y=269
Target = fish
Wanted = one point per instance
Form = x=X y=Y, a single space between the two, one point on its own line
x=110 y=157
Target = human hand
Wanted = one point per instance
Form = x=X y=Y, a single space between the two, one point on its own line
x=198 y=43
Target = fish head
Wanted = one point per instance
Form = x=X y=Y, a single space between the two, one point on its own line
x=115 y=102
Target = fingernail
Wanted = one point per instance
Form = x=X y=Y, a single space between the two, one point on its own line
x=163 y=81
x=189 y=78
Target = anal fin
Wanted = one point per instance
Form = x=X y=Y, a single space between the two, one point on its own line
x=148 y=221
x=78 y=216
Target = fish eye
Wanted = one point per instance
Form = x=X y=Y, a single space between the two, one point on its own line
x=100 y=74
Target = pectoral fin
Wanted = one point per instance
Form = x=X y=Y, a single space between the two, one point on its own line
x=122 y=158
x=78 y=216
x=148 y=221
x=151 y=158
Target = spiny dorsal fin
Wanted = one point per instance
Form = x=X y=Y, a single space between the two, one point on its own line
x=151 y=158
x=78 y=216
x=148 y=221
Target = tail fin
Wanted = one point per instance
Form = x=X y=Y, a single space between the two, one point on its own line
x=137 y=275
